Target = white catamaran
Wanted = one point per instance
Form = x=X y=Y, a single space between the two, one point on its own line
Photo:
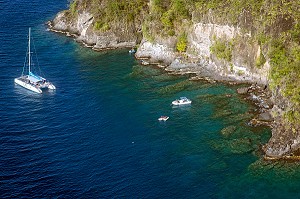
x=32 y=81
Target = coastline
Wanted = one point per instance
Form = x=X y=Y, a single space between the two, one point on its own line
x=204 y=69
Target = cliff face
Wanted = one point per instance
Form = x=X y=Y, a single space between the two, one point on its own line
x=285 y=140
x=198 y=56
x=215 y=50
x=81 y=27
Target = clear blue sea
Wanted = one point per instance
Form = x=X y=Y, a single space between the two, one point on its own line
x=97 y=135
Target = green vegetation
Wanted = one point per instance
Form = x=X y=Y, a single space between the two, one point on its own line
x=292 y=116
x=167 y=20
x=146 y=33
x=284 y=57
x=260 y=61
x=222 y=49
x=110 y=14
x=169 y=16
x=101 y=26
x=182 y=43
x=240 y=72
x=73 y=7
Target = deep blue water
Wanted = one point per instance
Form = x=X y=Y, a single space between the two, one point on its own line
x=97 y=135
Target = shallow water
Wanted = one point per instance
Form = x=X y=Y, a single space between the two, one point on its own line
x=97 y=135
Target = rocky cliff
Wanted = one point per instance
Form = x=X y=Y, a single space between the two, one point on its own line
x=199 y=59
x=82 y=28
x=214 y=49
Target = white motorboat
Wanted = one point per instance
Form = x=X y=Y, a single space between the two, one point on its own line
x=181 y=101
x=131 y=51
x=163 y=118
x=30 y=80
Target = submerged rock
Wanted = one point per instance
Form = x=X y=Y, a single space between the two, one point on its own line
x=236 y=146
x=227 y=131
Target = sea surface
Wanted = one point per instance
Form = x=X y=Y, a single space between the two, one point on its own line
x=97 y=135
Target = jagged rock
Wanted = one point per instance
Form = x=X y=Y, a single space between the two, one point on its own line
x=265 y=117
x=255 y=98
x=277 y=151
x=156 y=52
x=82 y=28
x=242 y=90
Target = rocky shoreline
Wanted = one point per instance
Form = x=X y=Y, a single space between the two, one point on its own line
x=257 y=93
x=202 y=67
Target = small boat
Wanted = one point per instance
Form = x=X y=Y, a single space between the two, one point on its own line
x=30 y=80
x=182 y=101
x=131 y=51
x=163 y=118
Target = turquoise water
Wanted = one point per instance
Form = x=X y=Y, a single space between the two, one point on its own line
x=97 y=135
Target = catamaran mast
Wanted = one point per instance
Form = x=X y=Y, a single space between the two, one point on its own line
x=29 y=58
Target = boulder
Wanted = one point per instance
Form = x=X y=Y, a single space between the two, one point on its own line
x=265 y=117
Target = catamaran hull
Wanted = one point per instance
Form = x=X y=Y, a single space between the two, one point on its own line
x=51 y=86
x=28 y=86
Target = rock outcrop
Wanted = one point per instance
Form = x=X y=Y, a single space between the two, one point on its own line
x=285 y=141
x=162 y=52
x=199 y=59
x=81 y=27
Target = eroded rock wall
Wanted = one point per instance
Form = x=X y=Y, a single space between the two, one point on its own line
x=198 y=56
x=81 y=27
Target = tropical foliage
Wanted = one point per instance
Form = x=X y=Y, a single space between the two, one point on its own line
x=182 y=43
x=222 y=49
